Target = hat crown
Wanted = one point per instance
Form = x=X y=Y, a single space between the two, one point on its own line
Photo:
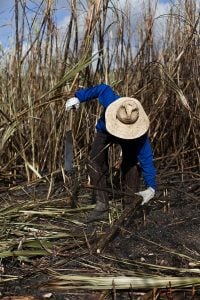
x=126 y=119
x=128 y=112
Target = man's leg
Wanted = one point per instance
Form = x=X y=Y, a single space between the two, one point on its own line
x=98 y=170
x=129 y=169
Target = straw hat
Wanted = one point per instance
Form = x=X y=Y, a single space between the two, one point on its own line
x=126 y=118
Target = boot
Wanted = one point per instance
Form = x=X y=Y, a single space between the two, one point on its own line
x=96 y=215
x=100 y=212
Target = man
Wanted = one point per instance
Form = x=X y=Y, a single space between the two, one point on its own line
x=123 y=122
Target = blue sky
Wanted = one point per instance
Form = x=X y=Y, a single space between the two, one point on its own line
x=6 y=14
x=7 y=17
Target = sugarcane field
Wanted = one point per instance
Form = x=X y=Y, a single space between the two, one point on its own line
x=100 y=150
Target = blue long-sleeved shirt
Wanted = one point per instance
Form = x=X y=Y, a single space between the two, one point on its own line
x=143 y=151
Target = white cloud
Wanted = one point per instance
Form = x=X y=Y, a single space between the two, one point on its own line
x=162 y=11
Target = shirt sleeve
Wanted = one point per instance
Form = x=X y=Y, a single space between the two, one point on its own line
x=103 y=92
x=145 y=158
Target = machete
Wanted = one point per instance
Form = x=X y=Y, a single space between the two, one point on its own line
x=68 y=152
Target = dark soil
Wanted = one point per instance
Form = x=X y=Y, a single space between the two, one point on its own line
x=165 y=233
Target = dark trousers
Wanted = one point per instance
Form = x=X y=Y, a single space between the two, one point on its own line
x=99 y=167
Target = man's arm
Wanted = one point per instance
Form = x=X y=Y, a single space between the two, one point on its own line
x=102 y=91
x=145 y=158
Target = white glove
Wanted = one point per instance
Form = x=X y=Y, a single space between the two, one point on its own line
x=72 y=103
x=147 y=195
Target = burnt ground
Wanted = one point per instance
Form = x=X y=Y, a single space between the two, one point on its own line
x=161 y=238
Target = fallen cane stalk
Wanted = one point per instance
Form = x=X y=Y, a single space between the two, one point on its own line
x=91 y=282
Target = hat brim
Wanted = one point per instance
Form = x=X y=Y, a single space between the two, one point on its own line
x=126 y=131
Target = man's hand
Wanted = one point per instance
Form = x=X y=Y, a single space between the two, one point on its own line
x=147 y=195
x=72 y=103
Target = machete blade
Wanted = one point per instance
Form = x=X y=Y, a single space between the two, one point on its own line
x=68 y=156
